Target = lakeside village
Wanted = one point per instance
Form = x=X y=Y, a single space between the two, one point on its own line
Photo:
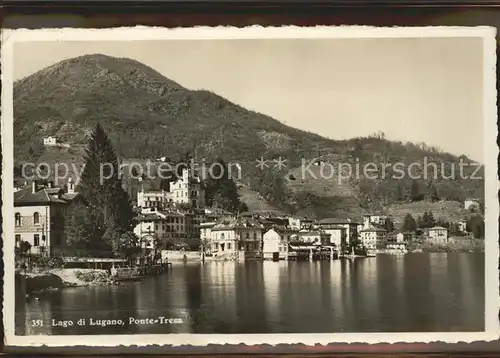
x=177 y=225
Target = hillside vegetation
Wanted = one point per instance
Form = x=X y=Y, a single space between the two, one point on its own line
x=148 y=115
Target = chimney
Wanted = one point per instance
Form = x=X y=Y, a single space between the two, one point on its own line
x=33 y=186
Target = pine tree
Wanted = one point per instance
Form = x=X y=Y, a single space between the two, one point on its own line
x=220 y=188
x=429 y=220
x=101 y=186
x=409 y=224
x=389 y=225
x=434 y=193
x=415 y=191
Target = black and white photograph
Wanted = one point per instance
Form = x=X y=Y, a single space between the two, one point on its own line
x=253 y=185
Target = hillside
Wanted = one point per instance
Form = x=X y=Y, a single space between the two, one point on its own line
x=147 y=116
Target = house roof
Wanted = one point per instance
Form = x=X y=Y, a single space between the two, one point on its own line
x=373 y=229
x=236 y=223
x=42 y=196
x=336 y=221
x=312 y=232
x=438 y=228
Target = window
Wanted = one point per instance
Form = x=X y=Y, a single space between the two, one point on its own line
x=229 y=246
x=17 y=218
x=248 y=235
x=18 y=240
x=36 y=218
x=222 y=236
x=36 y=240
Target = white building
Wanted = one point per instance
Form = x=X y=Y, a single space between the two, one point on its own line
x=188 y=190
x=50 y=141
x=372 y=237
x=351 y=228
x=315 y=237
x=158 y=199
x=438 y=235
x=370 y=220
x=462 y=226
x=472 y=203
x=275 y=245
x=294 y=223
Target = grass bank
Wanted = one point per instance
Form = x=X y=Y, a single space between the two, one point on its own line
x=472 y=245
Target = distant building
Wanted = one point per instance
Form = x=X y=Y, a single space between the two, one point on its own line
x=158 y=199
x=294 y=223
x=403 y=237
x=40 y=214
x=438 y=234
x=50 y=141
x=373 y=220
x=462 y=226
x=372 y=237
x=188 y=190
x=472 y=203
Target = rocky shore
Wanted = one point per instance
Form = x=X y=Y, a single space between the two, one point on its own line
x=56 y=279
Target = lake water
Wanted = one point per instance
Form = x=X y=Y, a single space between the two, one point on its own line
x=415 y=292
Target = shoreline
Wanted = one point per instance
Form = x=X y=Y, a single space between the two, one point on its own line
x=56 y=279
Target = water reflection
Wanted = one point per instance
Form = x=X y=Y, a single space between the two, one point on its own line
x=415 y=292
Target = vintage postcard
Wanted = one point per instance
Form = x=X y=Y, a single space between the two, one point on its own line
x=260 y=185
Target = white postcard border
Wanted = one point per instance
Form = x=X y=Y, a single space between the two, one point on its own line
x=492 y=327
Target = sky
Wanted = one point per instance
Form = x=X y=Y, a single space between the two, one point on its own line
x=419 y=90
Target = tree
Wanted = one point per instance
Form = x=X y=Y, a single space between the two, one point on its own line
x=220 y=189
x=420 y=222
x=428 y=220
x=389 y=225
x=100 y=185
x=409 y=224
x=434 y=193
x=415 y=191
x=475 y=225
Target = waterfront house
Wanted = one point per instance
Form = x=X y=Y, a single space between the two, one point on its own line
x=40 y=213
x=205 y=235
x=237 y=238
x=188 y=189
x=169 y=224
x=351 y=227
x=314 y=237
x=275 y=245
x=338 y=234
x=438 y=235
x=372 y=237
